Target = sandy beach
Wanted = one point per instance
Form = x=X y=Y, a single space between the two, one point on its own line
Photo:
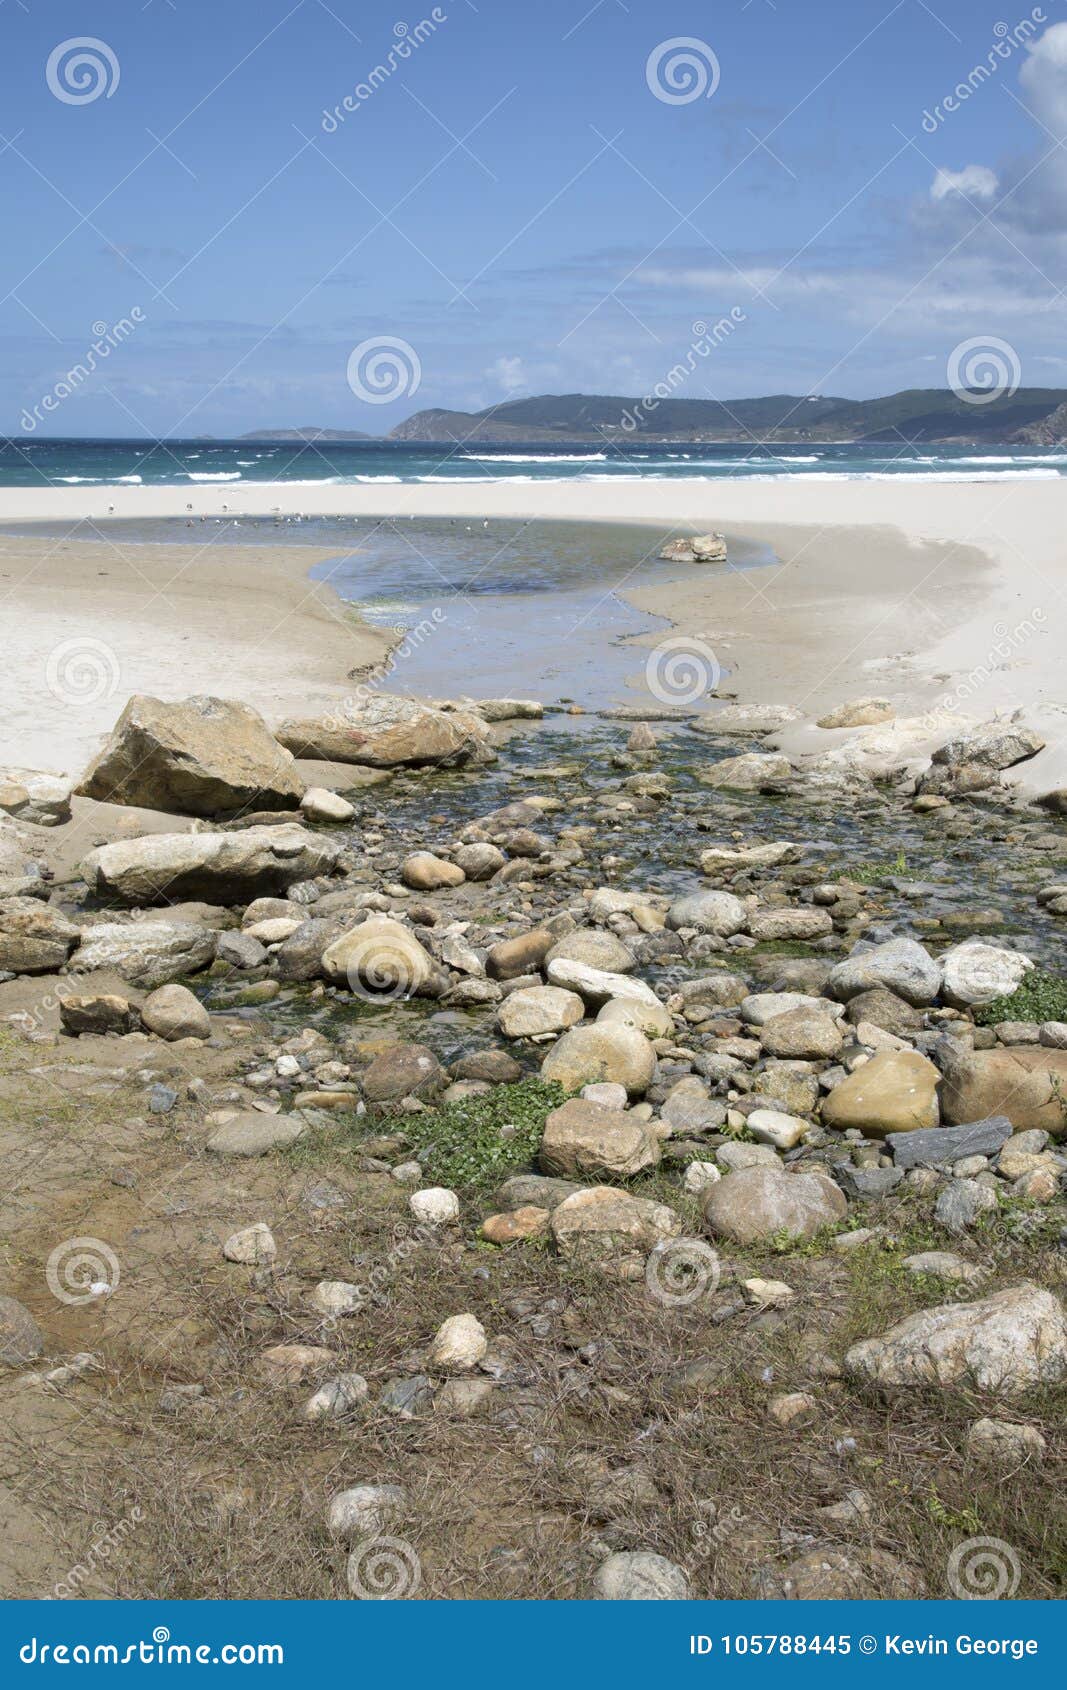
x=925 y=593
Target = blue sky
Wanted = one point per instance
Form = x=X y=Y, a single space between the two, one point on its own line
x=516 y=203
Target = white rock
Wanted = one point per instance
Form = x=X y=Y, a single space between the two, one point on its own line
x=976 y=972
x=606 y=1092
x=336 y=1296
x=699 y=1175
x=337 y=1397
x=436 y=1206
x=774 y=1126
x=363 y=1510
x=639 y=1576
x=325 y=806
x=596 y=986
x=460 y=1344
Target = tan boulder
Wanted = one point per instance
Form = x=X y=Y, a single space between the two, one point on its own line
x=379 y=956
x=1027 y=1083
x=756 y=1203
x=604 y=1221
x=524 y=954
x=805 y=1033
x=35 y=938
x=604 y=1051
x=225 y=867
x=382 y=730
x=536 y=1010
x=1008 y=1342
x=858 y=713
x=424 y=872
x=895 y=1092
x=198 y=757
x=589 y=1141
x=172 y=1012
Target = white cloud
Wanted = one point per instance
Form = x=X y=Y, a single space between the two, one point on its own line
x=975 y=180
x=509 y=374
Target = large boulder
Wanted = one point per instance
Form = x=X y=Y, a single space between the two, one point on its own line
x=34 y=937
x=993 y=745
x=603 y=1221
x=604 y=1051
x=1026 y=1083
x=753 y=771
x=595 y=948
x=895 y=1092
x=403 y=1070
x=384 y=731
x=228 y=867
x=900 y=965
x=756 y=1203
x=976 y=972
x=807 y=923
x=1005 y=1343
x=172 y=1012
x=200 y=757
x=588 y=1141
x=804 y=1034
x=509 y=959
x=380 y=956
x=146 y=953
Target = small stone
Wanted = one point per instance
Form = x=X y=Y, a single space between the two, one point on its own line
x=333 y=1297
x=424 y=872
x=516 y=1224
x=321 y=805
x=961 y=1203
x=792 y=1408
x=291 y=1364
x=252 y=1246
x=435 y=1206
x=337 y=1397
x=698 y=1177
x=767 y=1293
x=363 y=1511
x=772 y=1126
x=1000 y=1443
x=640 y=1576
x=459 y=1345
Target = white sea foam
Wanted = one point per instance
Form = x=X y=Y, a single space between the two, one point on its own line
x=219 y=475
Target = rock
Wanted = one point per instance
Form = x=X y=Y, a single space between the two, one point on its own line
x=961 y=1202
x=337 y=1397
x=459 y=1345
x=830 y=1573
x=755 y=1203
x=383 y=731
x=1005 y=1343
x=146 y=953
x=1027 y=1084
x=718 y=991
x=512 y=958
x=859 y=713
x=479 y=861
x=760 y=1007
x=792 y=1408
x=934 y=1147
x=869 y=1185
x=590 y=1141
x=35 y=938
x=536 y=1010
x=291 y=1364
x=403 y=1070
x=434 y=1206
x=41 y=800
x=944 y=1264
x=807 y=1034
x=335 y=1298
x=698 y=1177
x=252 y=1246
x=771 y=1126
x=754 y=771
x=172 y=1012
x=199 y=757
x=999 y=1443
x=231 y=867
x=506 y=709
x=767 y=925
x=976 y=972
x=719 y=858
x=900 y=965
x=379 y=957
x=895 y=1092
x=654 y=1020
x=709 y=912
x=253 y=1134
x=994 y=745
x=242 y=950
x=363 y=1511
x=596 y=987
x=20 y=1336
x=498 y=1067
x=103 y=1012
x=516 y=1225
x=605 y=1051
x=640 y=1576
x=606 y=1093
x=319 y=804
x=595 y=948
x=535 y=1190
x=881 y=1008
x=603 y=1221
x=424 y=872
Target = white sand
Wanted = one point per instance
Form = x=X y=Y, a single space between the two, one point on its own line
x=920 y=591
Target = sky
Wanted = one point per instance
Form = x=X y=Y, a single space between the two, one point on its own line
x=518 y=199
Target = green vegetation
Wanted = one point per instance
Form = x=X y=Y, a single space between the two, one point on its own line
x=1041 y=997
x=474 y=1144
x=869 y=873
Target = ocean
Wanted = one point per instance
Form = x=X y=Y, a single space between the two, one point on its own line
x=70 y=463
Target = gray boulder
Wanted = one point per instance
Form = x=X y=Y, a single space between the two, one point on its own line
x=230 y=867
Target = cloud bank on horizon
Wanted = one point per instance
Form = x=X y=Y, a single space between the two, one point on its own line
x=207 y=222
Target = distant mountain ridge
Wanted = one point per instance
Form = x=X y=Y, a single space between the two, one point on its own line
x=1030 y=416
